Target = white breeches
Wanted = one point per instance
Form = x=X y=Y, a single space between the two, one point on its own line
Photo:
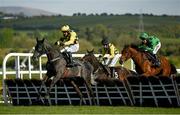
x=112 y=62
x=157 y=47
x=71 y=48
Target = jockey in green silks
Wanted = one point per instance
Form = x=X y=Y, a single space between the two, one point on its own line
x=150 y=44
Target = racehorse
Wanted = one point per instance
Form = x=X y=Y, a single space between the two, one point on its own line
x=142 y=64
x=56 y=68
x=102 y=73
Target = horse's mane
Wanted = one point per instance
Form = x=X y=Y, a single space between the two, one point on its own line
x=135 y=46
x=50 y=45
x=47 y=44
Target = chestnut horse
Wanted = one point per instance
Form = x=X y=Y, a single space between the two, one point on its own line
x=143 y=66
x=56 y=68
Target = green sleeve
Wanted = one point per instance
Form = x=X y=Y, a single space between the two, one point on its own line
x=149 y=49
x=145 y=48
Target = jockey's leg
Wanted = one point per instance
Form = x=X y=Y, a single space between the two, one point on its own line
x=113 y=63
x=154 y=59
x=107 y=61
x=157 y=61
x=64 y=49
x=114 y=60
x=70 y=59
x=69 y=50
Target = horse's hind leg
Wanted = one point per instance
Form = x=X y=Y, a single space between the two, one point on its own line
x=79 y=93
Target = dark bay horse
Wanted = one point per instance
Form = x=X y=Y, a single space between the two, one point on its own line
x=56 y=68
x=143 y=66
x=101 y=73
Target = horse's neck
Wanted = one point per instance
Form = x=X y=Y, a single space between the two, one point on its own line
x=136 y=56
x=51 y=52
x=95 y=64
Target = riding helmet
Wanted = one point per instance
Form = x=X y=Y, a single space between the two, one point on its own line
x=105 y=41
x=143 y=36
x=65 y=28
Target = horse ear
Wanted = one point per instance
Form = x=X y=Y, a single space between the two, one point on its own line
x=92 y=50
x=43 y=40
x=88 y=51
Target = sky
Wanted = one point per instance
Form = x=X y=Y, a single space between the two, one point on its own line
x=68 y=7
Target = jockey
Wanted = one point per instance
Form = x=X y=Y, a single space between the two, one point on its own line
x=113 y=53
x=151 y=44
x=70 y=43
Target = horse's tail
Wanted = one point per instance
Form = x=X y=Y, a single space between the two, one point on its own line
x=173 y=69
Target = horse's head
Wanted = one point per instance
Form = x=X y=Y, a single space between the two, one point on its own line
x=39 y=49
x=89 y=56
x=125 y=54
x=128 y=52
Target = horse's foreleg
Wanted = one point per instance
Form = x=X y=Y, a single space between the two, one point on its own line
x=45 y=78
x=79 y=92
x=53 y=82
x=90 y=91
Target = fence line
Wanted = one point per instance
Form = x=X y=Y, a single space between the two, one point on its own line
x=19 y=72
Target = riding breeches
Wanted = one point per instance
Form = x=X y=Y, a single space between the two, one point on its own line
x=157 y=47
x=112 y=62
x=71 y=48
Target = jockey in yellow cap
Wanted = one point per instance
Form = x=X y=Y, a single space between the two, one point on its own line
x=69 y=41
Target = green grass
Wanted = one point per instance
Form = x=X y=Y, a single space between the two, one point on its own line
x=85 y=110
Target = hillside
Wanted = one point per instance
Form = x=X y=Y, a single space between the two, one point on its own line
x=25 y=11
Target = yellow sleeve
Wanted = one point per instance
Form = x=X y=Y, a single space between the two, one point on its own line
x=73 y=37
x=112 y=49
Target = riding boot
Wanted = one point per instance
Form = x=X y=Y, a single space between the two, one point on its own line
x=157 y=61
x=70 y=60
x=153 y=58
x=112 y=71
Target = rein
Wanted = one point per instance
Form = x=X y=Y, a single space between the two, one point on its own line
x=48 y=53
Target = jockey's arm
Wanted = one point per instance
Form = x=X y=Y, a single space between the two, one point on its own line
x=141 y=46
x=112 y=50
x=148 y=49
x=145 y=48
x=72 y=39
x=59 y=41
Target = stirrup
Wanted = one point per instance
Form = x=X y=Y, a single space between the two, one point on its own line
x=158 y=64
